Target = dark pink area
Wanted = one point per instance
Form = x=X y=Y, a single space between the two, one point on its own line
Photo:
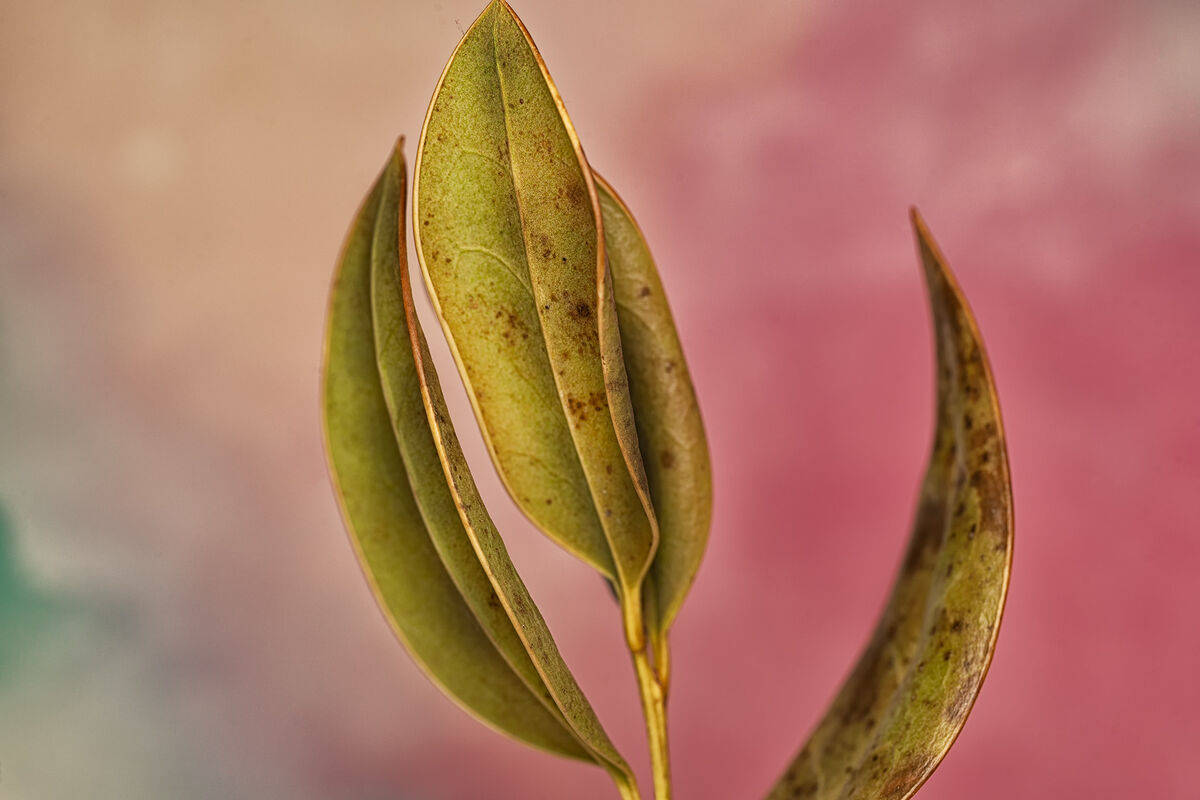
x=782 y=232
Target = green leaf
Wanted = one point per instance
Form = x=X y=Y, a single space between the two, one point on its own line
x=407 y=576
x=669 y=428
x=510 y=240
x=909 y=695
x=454 y=514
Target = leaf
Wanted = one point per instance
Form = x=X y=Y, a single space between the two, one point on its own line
x=669 y=428
x=461 y=529
x=907 y=699
x=509 y=237
x=410 y=583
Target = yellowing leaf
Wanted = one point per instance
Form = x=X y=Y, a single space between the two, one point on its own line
x=461 y=529
x=410 y=583
x=509 y=236
x=669 y=428
x=909 y=695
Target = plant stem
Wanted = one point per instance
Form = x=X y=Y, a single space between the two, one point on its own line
x=654 y=699
x=626 y=786
x=654 y=707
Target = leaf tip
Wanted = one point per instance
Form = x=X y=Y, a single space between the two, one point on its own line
x=933 y=262
x=920 y=229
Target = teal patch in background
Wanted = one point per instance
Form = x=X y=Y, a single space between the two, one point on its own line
x=25 y=612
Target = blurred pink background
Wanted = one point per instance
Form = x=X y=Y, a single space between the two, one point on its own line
x=182 y=616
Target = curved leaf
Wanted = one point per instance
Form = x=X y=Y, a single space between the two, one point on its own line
x=509 y=237
x=454 y=513
x=410 y=583
x=909 y=695
x=669 y=428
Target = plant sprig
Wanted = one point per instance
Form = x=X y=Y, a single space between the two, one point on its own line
x=553 y=309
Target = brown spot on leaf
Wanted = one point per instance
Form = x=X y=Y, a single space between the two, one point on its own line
x=577 y=408
x=644 y=291
x=576 y=193
x=667 y=459
x=512 y=325
x=960 y=705
x=906 y=777
x=807 y=789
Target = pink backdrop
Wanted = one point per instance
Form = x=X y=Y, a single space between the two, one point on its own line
x=175 y=180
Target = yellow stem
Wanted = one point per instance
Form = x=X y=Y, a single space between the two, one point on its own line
x=626 y=786
x=662 y=661
x=654 y=700
x=654 y=706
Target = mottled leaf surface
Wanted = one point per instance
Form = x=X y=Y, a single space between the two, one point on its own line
x=454 y=513
x=509 y=237
x=410 y=583
x=669 y=428
x=909 y=695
